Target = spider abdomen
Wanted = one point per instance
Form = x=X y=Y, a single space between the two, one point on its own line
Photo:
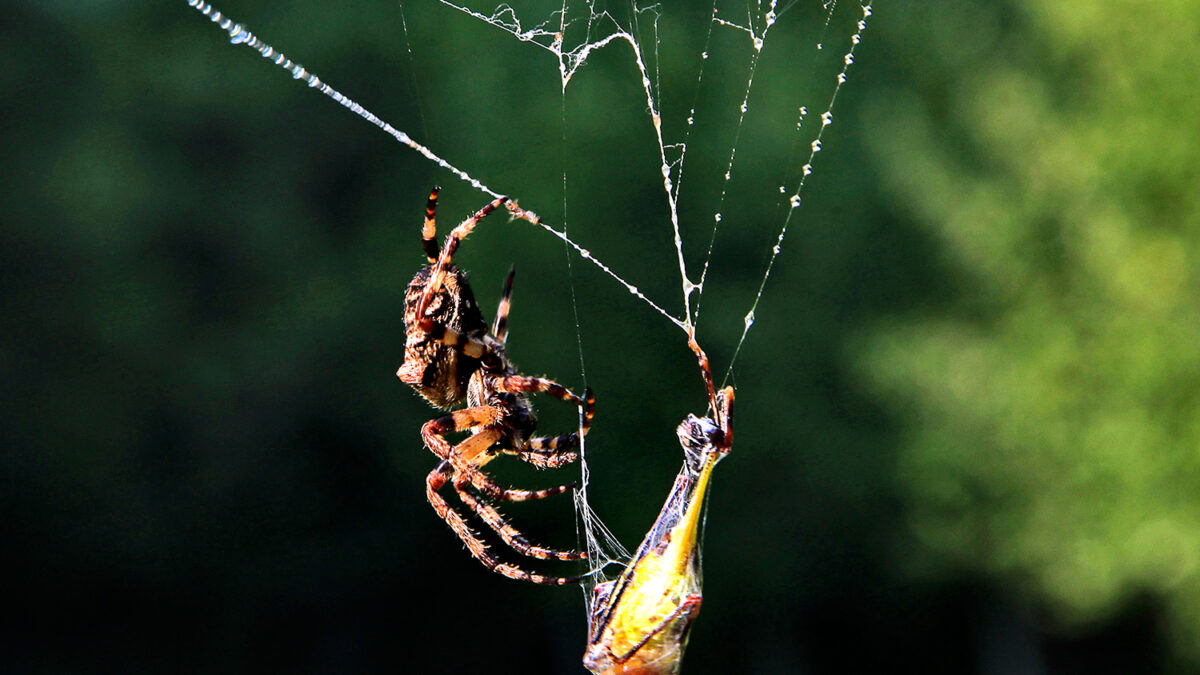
x=438 y=371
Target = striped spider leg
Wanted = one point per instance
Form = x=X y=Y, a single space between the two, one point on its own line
x=451 y=358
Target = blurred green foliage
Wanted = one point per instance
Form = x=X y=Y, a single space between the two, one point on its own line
x=967 y=416
x=1054 y=403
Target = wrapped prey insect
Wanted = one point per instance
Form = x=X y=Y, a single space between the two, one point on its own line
x=640 y=621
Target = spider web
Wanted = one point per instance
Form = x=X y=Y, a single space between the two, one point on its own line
x=596 y=28
x=572 y=34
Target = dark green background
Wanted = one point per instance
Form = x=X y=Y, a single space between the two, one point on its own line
x=967 y=422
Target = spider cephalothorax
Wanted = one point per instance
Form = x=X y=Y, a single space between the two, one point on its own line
x=450 y=357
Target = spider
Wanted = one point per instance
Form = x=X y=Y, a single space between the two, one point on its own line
x=450 y=357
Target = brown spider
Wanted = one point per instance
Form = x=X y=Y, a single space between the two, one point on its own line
x=449 y=357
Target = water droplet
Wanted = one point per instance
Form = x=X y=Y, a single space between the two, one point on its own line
x=849 y=59
x=826 y=119
x=841 y=78
x=820 y=46
x=806 y=169
x=716 y=217
x=816 y=145
x=238 y=34
x=758 y=44
x=795 y=200
x=744 y=108
x=704 y=55
x=690 y=121
x=749 y=320
x=855 y=39
x=866 y=10
x=782 y=190
x=803 y=111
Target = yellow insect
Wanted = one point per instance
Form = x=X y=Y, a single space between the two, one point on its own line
x=640 y=621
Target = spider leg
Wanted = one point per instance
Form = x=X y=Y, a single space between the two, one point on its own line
x=508 y=533
x=472 y=346
x=435 y=481
x=550 y=451
x=429 y=231
x=544 y=456
x=571 y=440
x=464 y=461
x=516 y=384
x=500 y=327
x=554 y=451
x=463 y=456
x=452 y=241
x=473 y=452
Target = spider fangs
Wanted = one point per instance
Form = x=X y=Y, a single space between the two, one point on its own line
x=450 y=357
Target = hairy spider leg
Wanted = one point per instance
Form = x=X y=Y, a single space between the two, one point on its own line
x=475 y=447
x=447 y=255
x=466 y=344
x=544 y=458
x=508 y=533
x=518 y=384
x=571 y=440
x=500 y=326
x=438 y=478
x=543 y=452
x=429 y=232
x=550 y=452
x=473 y=452
x=515 y=384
